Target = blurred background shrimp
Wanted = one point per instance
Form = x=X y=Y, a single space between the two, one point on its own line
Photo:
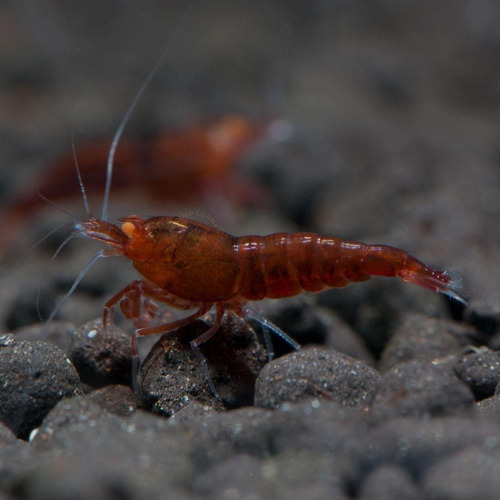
x=171 y=169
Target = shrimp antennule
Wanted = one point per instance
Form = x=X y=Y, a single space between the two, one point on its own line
x=69 y=293
x=133 y=105
x=80 y=180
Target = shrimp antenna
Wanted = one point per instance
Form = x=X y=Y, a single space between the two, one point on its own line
x=79 y=175
x=133 y=105
x=56 y=253
x=55 y=205
x=43 y=238
x=52 y=231
x=79 y=278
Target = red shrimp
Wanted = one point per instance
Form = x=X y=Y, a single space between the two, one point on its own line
x=189 y=265
x=174 y=166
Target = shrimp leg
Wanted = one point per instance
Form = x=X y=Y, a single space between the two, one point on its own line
x=200 y=340
x=131 y=296
x=165 y=328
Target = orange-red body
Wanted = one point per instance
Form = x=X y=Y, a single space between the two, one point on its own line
x=188 y=264
x=172 y=167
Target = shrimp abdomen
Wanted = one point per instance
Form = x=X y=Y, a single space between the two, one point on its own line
x=282 y=265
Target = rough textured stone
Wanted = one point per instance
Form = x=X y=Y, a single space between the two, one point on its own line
x=316 y=372
x=489 y=407
x=389 y=482
x=34 y=376
x=295 y=476
x=117 y=399
x=102 y=357
x=420 y=388
x=171 y=376
x=113 y=454
x=480 y=370
x=6 y=435
x=469 y=473
x=419 y=336
x=316 y=426
x=191 y=412
x=417 y=443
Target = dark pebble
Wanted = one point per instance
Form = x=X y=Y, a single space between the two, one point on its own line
x=317 y=426
x=480 y=370
x=313 y=372
x=102 y=357
x=421 y=337
x=389 y=482
x=220 y=436
x=6 y=435
x=117 y=399
x=484 y=312
x=469 y=473
x=417 y=443
x=293 y=476
x=420 y=388
x=69 y=416
x=171 y=376
x=489 y=407
x=34 y=376
x=192 y=411
x=140 y=456
x=16 y=459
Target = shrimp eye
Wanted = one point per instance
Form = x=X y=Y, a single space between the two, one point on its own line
x=130 y=229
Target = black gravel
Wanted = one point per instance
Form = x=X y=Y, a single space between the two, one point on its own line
x=117 y=399
x=171 y=376
x=469 y=473
x=389 y=482
x=314 y=372
x=395 y=108
x=420 y=337
x=101 y=356
x=421 y=388
x=481 y=371
x=34 y=377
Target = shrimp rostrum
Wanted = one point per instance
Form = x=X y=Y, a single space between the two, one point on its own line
x=189 y=265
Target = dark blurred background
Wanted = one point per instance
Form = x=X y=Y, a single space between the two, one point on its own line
x=394 y=107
